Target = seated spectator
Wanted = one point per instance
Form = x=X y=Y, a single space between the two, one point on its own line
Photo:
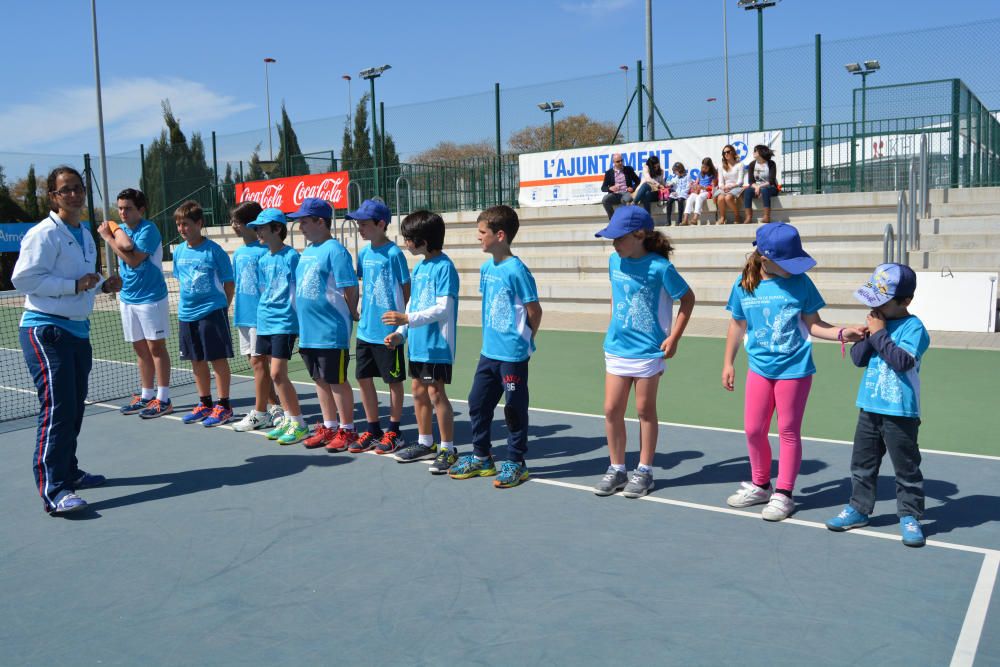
x=680 y=188
x=762 y=179
x=619 y=182
x=730 y=185
x=701 y=191
x=651 y=182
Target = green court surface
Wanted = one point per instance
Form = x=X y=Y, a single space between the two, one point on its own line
x=958 y=395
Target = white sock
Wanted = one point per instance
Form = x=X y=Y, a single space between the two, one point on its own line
x=450 y=446
x=148 y=394
x=162 y=394
x=482 y=458
x=620 y=467
x=426 y=440
x=297 y=419
x=644 y=468
x=347 y=427
x=330 y=424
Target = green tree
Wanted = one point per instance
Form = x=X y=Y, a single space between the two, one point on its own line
x=448 y=151
x=31 y=195
x=571 y=132
x=290 y=153
x=176 y=169
x=359 y=153
x=255 y=171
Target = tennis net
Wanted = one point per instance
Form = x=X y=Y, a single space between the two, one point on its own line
x=115 y=373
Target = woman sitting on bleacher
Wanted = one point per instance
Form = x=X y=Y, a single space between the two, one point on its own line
x=730 y=185
x=762 y=177
x=650 y=183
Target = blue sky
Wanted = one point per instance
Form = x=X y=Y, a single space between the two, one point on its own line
x=206 y=56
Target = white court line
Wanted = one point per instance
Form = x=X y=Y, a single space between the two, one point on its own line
x=975 y=614
x=23 y=391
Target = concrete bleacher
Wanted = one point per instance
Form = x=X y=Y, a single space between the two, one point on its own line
x=844 y=232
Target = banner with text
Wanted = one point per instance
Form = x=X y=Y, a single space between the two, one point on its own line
x=288 y=193
x=11 y=234
x=559 y=178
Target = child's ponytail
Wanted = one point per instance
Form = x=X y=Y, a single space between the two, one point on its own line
x=751 y=272
x=657 y=242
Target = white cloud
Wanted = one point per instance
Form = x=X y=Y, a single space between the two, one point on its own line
x=65 y=120
x=596 y=8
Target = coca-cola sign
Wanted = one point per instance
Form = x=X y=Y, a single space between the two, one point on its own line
x=288 y=193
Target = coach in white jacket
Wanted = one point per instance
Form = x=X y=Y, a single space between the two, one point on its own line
x=56 y=271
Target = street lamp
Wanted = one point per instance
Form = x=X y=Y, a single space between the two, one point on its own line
x=871 y=66
x=624 y=69
x=371 y=74
x=551 y=108
x=267 y=94
x=760 y=6
x=708 y=115
x=350 y=104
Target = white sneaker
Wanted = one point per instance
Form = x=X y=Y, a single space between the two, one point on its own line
x=253 y=421
x=749 y=494
x=778 y=508
x=277 y=413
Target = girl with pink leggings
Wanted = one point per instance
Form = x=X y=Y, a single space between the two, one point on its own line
x=775 y=310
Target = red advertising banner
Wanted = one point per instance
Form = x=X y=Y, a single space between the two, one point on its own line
x=288 y=193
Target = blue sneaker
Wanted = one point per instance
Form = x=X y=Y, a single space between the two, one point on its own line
x=913 y=535
x=847 y=519
x=511 y=474
x=88 y=481
x=220 y=415
x=469 y=466
x=137 y=404
x=68 y=503
x=198 y=412
x=156 y=408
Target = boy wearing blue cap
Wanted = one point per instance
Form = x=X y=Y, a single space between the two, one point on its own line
x=326 y=301
x=889 y=402
x=277 y=322
x=385 y=278
x=205 y=274
x=511 y=317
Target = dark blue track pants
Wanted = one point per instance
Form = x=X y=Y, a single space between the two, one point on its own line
x=494 y=379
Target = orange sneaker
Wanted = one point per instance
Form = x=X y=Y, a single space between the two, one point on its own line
x=320 y=437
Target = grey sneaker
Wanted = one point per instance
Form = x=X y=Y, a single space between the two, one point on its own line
x=416 y=452
x=639 y=484
x=612 y=482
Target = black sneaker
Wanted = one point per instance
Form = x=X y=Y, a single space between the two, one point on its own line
x=445 y=459
x=416 y=452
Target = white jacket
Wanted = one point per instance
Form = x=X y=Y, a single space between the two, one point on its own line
x=48 y=267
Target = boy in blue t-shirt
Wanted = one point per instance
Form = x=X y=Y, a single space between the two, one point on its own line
x=245 y=318
x=277 y=322
x=511 y=317
x=326 y=301
x=205 y=275
x=386 y=280
x=430 y=323
x=145 y=309
x=889 y=402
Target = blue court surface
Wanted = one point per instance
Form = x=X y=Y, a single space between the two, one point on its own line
x=215 y=547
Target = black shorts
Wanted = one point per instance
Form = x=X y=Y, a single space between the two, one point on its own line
x=328 y=365
x=429 y=373
x=207 y=339
x=279 y=346
x=375 y=360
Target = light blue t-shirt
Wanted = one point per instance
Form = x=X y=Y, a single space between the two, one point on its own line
x=201 y=272
x=777 y=341
x=642 y=301
x=276 y=283
x=247 y=292
x=78 y=328
x=883 y=390
x=324 y=271
x=506 y=287
x=383 y=272
x=435 y=342
x=144 y=283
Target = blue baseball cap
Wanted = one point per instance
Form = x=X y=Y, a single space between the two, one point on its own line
x=889 y=281
x=780 y=243
x=625 y=220
x=312 y=206
x=267 y=216
x=371 y=209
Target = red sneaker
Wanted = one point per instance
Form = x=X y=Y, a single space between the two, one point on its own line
x=342 y=440
x=364 y=442
x=320 y=437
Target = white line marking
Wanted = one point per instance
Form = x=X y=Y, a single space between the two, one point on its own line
x=23 y=391
x=975 y=615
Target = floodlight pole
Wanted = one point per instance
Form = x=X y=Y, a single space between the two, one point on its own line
x=371 y=80
x=267 y=94
x=108 y=254
x=552 y=128
x=725 y=59
x=650 y=128
x=760 y=68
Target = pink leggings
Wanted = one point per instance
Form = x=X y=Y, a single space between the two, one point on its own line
x=762 y=396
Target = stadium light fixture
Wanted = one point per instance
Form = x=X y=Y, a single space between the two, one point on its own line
x=551 y=108
x=759 y=6
x=371 y=74
x=871 y=66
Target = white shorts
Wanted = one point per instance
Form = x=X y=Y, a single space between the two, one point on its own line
x=633 y=368
x=145 y=321
x=248 y=341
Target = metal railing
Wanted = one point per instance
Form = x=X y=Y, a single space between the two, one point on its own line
x=912 y=205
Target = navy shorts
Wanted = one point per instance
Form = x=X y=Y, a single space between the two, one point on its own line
x=279 y=346
x=429 y=373
x=375 y=360
x=327 y=365
x=207 y=339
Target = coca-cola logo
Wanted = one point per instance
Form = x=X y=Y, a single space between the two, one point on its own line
x=329 y=189
x=269 y=197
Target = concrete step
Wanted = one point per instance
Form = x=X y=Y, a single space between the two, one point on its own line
x=962 y=241
x=986 y=224
x=955 y=260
